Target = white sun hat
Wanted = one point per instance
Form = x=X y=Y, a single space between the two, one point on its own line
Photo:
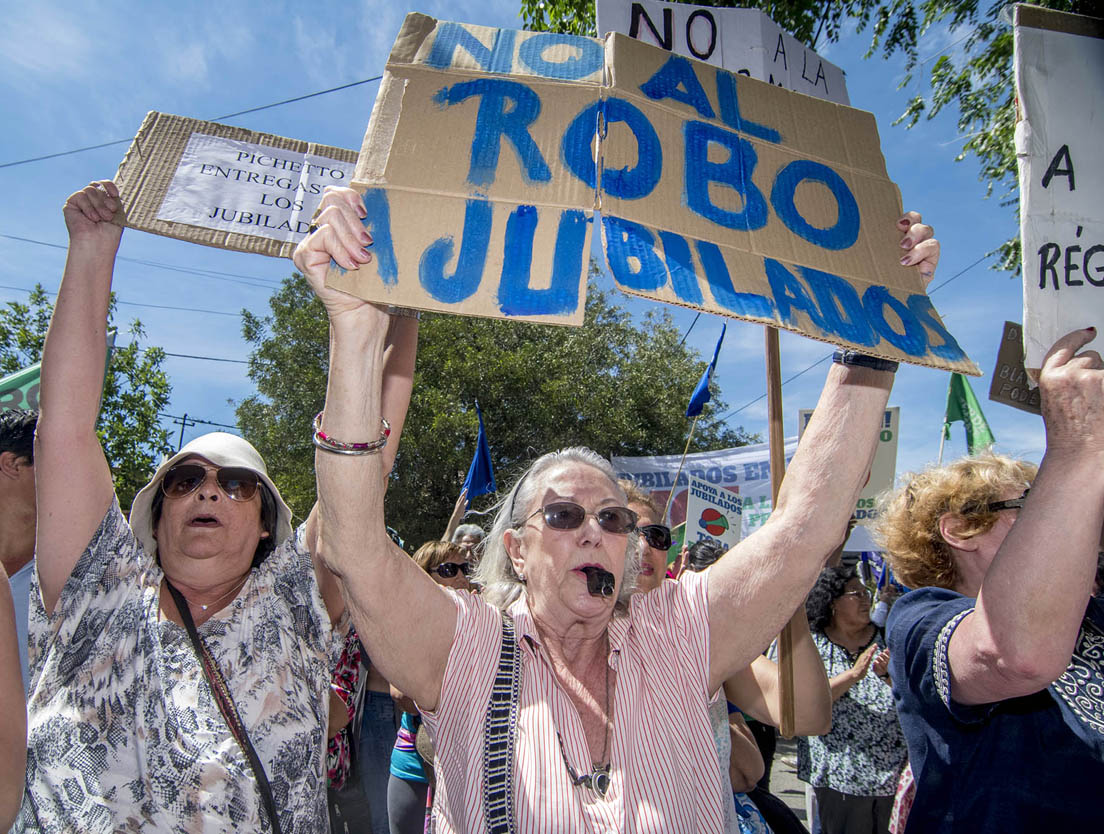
x=221 y=449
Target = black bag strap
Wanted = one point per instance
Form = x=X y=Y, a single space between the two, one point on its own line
x=226 y=705
x=500 y=735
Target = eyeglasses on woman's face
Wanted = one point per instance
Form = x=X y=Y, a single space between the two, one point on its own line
x=1009 y=504
x=567 y=515
x=236 y=482
x=656 y=535
x=447 y=570
x=859 y=593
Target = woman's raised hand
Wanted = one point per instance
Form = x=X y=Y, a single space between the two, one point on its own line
x=921 y=249
x=88 y=215
x=340 y=237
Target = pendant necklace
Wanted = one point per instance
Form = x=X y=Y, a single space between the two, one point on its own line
x=598 y=780
x=233 y=590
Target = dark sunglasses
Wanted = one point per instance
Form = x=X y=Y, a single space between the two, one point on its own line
x=567 y=515
x=656 y=535
x=237 y=482
x=1010 y=504
x=447 y=570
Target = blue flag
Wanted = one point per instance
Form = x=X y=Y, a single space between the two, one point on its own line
x=480 y=480
x=701 y=394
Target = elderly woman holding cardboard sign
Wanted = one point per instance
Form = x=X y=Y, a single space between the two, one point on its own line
x=181 y=658
x=554 y=700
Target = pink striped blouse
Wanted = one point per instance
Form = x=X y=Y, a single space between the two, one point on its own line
x=664 y=777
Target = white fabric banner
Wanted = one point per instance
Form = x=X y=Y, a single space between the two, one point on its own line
x=743 y=472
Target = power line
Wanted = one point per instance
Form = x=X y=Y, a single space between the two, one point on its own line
x=215 y=119
x=248 y=280
x=192 y=419
x=208 y=358
x=136 y=303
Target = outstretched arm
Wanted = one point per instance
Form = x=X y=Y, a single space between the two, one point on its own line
x=767 y=575
x=405 y=619
x=400 y=349
x=73 y=481
x=458 y=511
x=754 y=689
x=1021 y=635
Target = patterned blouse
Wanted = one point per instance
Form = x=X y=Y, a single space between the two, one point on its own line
x=863 y=753
x=124 y=733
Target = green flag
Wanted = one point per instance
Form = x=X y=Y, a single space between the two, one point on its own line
x=20 y=390
x=963 y=405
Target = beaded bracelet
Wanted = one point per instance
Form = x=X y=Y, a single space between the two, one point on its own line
x=323 y=441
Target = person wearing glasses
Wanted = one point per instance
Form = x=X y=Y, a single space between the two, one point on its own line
x=655 y=537
x=853 y=768
x=180 y=660
x=996 y=654
x=554 y=699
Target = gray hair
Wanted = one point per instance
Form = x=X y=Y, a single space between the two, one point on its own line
x=473 y=530
x=495 y=573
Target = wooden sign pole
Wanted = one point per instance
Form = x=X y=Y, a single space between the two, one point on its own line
x=777 y=443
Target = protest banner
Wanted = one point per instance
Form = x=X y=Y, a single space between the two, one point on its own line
x=743 y=41
x=883 y=470
x=1010 y=382
x=742 y=472
x=712 y=513
x=1059 y=64
x=20 y=390
x=531 y=133
x=226 y=186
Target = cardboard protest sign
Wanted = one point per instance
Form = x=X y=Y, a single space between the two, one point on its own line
x=1059 y=61
x=713 y=513
x=883 y=470
x=1010 y=383
x=743 y=473
x=743 y=41
x=530 y=133
x=226 y=186
x=481 y=214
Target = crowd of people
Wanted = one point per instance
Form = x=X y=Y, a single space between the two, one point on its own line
x=199 y=663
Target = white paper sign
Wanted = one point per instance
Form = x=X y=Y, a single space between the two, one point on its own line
x=1060 y=87
x=712 y=513
x=743 y=41
x=883 y=471
x=235 y=186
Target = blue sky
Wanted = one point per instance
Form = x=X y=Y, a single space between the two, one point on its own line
x=73 y=75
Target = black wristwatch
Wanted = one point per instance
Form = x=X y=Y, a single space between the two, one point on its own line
x=862 y=360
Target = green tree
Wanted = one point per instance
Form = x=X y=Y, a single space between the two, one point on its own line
x=617 y=385
x=135 y=390
x=976 y=79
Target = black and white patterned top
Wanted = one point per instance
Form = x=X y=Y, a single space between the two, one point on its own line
x=864 y=752
x=124 y=733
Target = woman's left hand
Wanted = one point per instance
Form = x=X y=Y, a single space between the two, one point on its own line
x=921 y=249
x=339 y=236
